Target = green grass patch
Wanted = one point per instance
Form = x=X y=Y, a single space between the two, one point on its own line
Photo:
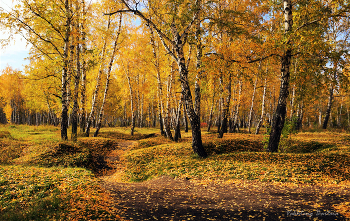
x=143 y=164
x=124 y=133
x=33 y=134
x=23 y=141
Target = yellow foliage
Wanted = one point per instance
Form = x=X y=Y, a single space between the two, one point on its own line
x=8 y=111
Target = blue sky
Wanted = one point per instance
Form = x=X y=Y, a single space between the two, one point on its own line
x=15 y=53
x=14 y=56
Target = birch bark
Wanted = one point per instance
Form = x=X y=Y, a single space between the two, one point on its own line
x=262 y=108
x=100 y=116
x=280 y=113
x=226 y=108
x=64 y=85
x=252 y=105
x=97 y=87
x=177 y=44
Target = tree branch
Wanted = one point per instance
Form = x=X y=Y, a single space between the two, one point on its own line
x=143 y=17
x=221 y=56
x=38 y=35
x=47 y=21
x=307 y=24
x=37 y=47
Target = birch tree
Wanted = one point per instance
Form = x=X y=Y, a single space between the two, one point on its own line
x=109 y=69
x=174 y=43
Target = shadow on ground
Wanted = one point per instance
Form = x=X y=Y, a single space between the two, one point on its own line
x=166 y=198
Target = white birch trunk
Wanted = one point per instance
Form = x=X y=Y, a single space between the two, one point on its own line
x=97 y=87
x=252 y=105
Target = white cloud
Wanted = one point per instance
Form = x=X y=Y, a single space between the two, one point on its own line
x=17 y=44
x=7 y=4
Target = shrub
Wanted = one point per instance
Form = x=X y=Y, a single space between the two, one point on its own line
x=203 y=124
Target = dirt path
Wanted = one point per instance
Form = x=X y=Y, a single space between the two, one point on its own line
x=165 y=198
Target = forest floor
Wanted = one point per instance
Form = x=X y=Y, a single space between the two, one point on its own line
x=169 y=198
x=148 y=177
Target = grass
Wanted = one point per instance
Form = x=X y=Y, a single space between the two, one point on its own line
x=177 y=161
x=56 y=193
x=124 y=133
x=44 y=178
x=33 y=134
x=307 y=158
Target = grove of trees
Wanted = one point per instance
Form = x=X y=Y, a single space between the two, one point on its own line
x=175 y=64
